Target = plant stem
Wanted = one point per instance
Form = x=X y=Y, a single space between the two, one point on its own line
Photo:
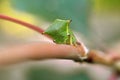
x=28 y=25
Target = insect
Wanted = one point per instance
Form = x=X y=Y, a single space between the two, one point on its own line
x=61 y=33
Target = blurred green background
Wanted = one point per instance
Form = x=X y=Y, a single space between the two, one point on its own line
x=97 y=22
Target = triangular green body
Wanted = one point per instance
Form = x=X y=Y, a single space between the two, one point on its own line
x=59 y=30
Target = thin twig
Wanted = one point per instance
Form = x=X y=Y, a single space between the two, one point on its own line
x=28 y=25
x=36 y=28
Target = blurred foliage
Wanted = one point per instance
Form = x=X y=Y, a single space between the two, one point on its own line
x=77 y=10
x=107 y=5
x=13 y=29
x=106 y=21
x=36 y=73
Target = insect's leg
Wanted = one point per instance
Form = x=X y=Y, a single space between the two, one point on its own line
x=70 y=39
x=71 y=43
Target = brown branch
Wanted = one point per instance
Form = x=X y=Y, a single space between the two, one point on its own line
x=35 y=51
x=110 y=59
x=38 y=51
x=99 y=57
x=95 y=56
